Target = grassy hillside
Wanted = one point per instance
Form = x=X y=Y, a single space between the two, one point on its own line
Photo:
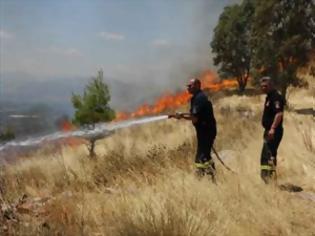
x=143 y=181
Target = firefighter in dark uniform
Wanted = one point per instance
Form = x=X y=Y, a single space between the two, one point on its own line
x=272 y=122
x=202 y=117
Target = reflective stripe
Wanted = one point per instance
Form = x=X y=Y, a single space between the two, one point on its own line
x=266 y=167
x=203 y=165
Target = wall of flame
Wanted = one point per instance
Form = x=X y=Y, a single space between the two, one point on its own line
x=168 y=101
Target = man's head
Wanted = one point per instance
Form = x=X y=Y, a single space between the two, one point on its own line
x=266 y=84
x=193 y=86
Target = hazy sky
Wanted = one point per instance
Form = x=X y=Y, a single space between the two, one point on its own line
x=156 y=41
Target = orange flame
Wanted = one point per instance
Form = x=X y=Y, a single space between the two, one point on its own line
x=167 y=101
x=67 y=126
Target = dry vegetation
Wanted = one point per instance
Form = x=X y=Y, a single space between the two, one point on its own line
x=143 y=182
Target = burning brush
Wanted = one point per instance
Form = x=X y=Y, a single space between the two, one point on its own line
x=171 y=101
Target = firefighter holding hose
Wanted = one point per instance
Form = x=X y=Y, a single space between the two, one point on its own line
x=202 y=117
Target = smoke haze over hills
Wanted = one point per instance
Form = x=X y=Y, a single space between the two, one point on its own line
x=144 y=48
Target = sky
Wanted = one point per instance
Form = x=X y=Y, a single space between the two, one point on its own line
x=50 y=48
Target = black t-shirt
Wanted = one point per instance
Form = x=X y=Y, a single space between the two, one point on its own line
x=274 y=104
x=201 y=107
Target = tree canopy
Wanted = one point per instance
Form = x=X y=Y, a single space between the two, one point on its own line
x=282 y=37
x=230 y=43
x=7 y=135
x=271 y=37
x=93 y=106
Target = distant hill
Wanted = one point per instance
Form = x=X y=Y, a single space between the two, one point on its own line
x=23 y=89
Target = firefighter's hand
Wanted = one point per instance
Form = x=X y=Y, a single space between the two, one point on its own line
x=271 y=162
x=178 y=115
x=175 y=116
x=271 y=134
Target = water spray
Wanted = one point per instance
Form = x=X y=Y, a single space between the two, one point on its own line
x=101 y=130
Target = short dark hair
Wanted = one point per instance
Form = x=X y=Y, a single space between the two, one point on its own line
x=194 y=81
x=197 y=81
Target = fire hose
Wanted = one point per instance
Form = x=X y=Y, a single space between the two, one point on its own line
x=221 y=161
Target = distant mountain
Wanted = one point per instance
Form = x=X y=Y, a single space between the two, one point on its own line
x=21 y=92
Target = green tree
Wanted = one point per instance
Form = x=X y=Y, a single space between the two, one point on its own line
x=282 y=36
x=230 y=42
x=92 y=107
x=7 y=135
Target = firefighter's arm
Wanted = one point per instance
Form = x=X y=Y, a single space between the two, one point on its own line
x=278 y=105
x=177 y=115
x=188 y=116
x=276 y=121
x=185 y=116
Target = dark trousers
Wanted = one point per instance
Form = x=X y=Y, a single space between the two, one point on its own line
x=203 y=161
x=268 y=159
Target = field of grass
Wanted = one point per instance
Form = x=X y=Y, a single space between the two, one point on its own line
x=143 y=182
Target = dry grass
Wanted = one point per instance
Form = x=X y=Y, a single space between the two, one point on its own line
x=143 y=181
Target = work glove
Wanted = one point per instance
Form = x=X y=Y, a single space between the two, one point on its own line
x=177 y=115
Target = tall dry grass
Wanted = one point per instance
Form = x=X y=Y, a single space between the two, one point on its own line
x=143 y=182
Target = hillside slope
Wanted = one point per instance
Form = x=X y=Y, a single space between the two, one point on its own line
x=143 y=182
